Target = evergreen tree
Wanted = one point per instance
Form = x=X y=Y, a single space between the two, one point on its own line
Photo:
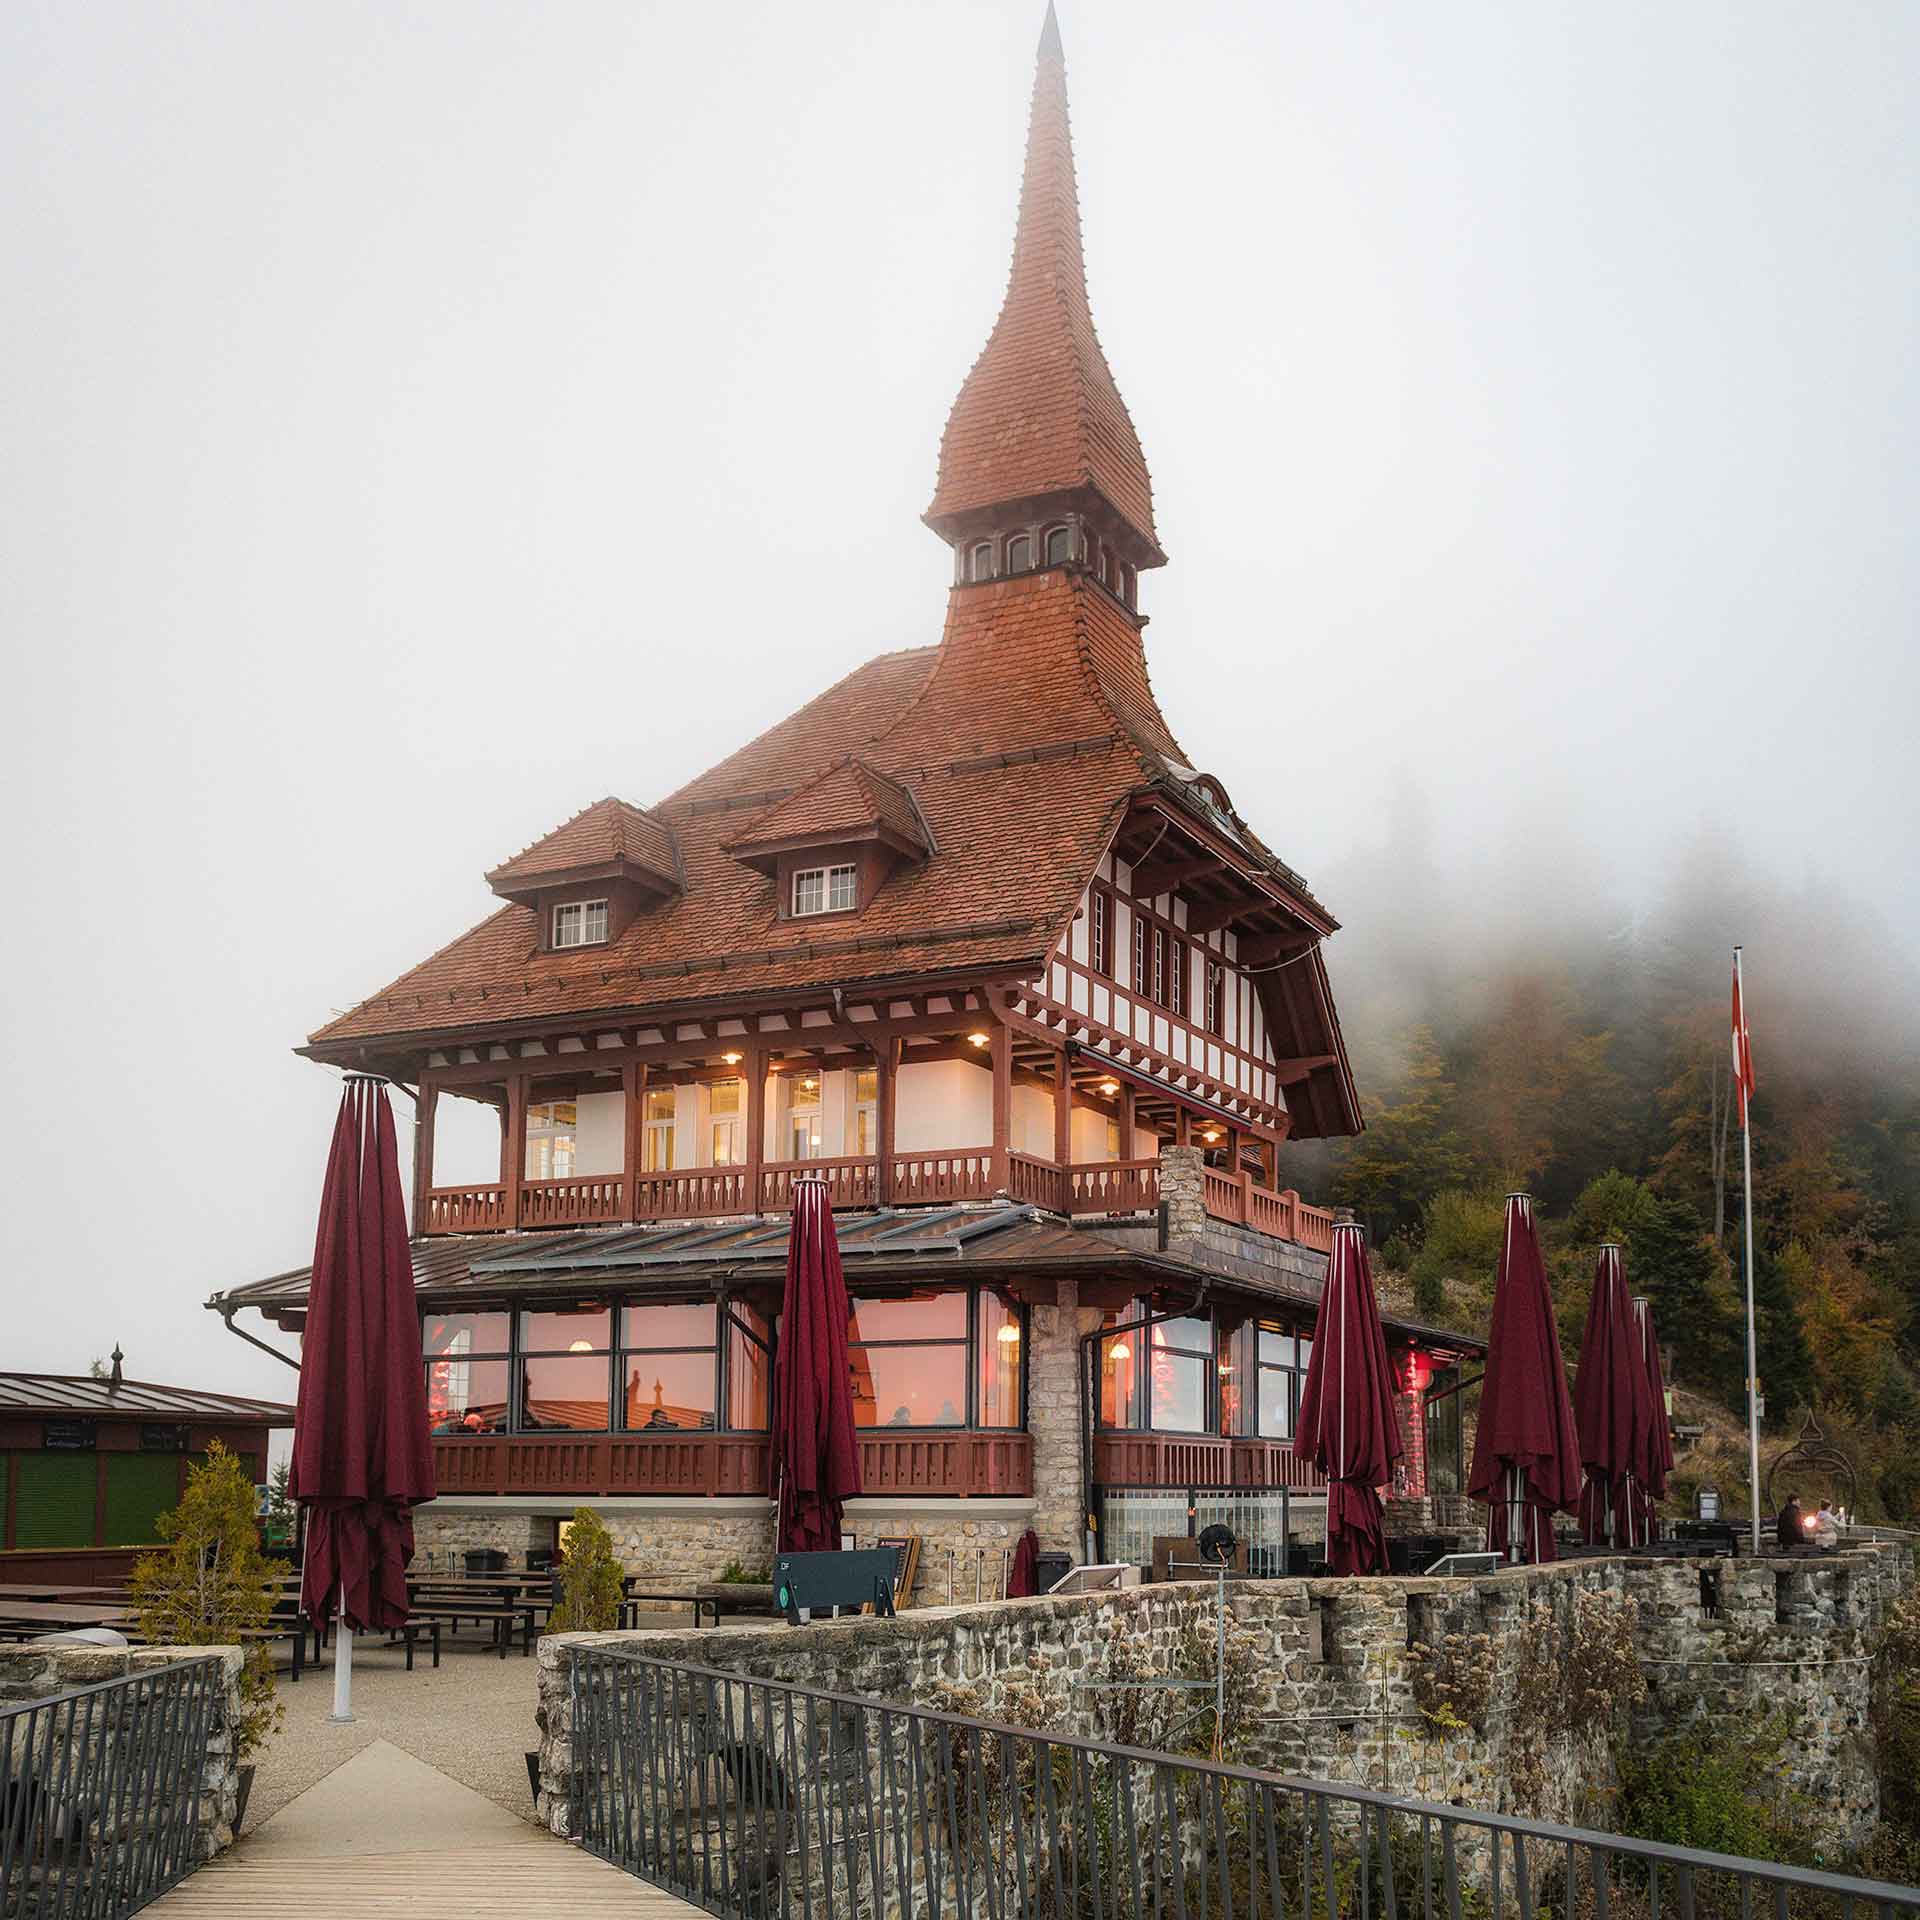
x=1672 y=1262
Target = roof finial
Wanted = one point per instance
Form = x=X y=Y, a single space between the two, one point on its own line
x=1050 y=47
x=113 y=1379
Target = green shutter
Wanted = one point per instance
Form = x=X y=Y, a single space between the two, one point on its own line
x=140 y=1487
x=53 y=1505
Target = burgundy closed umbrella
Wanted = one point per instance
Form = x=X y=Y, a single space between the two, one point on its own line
x=361 y=1458
x=1610 y=1407
x=816 y=1456
x=1346 y=1424
x=1656 y=1451
x=1526 y=1453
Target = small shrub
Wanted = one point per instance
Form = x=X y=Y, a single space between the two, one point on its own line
x=1453 y=1681
x=1894 y=1714
x=590 y=1579
x=736 y=1575
x=1707 y=1789
x=209 y=1585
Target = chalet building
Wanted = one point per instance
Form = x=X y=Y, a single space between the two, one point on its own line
x=971 y=938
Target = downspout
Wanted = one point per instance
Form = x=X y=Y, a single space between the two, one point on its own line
x=286 y=1359
x=1087 y=1378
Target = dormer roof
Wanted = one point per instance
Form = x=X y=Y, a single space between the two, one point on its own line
x=1039 y=416
x=610 y=840
x=851 y=801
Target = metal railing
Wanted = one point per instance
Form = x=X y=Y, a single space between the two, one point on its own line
x=100 y=1792
x=762 y=1801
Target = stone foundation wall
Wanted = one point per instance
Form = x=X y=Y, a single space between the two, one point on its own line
x=1332 y=1688
x=39 y=1670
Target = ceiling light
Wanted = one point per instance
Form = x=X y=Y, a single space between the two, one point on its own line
x=810 y=1083
x=1212 y=1134
x=1119 y=1351
x=978 y=1039
x=732 y=1059
x=1109 y=1087
x=1009 y=1335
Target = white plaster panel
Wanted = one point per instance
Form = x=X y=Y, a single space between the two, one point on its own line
x=943 y=1103
x=600 y=1133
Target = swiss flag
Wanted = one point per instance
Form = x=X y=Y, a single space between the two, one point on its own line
x=1742 y=1045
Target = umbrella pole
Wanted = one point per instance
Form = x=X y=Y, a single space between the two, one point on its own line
x=1516 y=1516
x=342 y=1663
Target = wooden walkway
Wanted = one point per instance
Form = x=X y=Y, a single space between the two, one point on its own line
x=387 y=1834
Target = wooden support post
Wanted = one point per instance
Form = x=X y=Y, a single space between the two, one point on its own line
x=1001 y=1173
x=886 y=1106
x=1182 y=1128
x=1126 y=1121
x=513 y=1147
x=1063 y=1111
x=423 y=1115
x=756 y=1070
x=633 y=1091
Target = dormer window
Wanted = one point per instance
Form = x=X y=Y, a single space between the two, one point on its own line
x=980 y=561
x=825 y=890
x=580 y=923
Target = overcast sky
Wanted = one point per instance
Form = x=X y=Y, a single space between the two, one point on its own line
x=420 y=420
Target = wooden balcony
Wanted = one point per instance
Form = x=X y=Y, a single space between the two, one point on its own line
x=1111 y=1187
x=956 y=1464
x=1201 y=1460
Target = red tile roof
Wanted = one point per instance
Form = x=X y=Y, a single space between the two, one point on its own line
x=851 y=799
x=1040 y=412
x=610 y=832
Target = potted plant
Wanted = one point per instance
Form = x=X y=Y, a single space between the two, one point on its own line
x=209 y=1585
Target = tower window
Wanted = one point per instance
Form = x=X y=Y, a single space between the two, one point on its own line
x=825 y=890
x=1019 y=553
x=1129 y=586
x=1100 y=932
x=580 y=923
x=980 y=561
x=1059 y=545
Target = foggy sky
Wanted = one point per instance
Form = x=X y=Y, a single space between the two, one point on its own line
x=421 y=420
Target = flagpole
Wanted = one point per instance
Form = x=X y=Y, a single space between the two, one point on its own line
x=1753 y=1356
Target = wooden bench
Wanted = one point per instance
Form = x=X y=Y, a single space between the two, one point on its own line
x=732 y=1596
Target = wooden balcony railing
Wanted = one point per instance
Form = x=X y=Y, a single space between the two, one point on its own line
x=720 y=1463
x=1200 y=1460
x=919 y=1179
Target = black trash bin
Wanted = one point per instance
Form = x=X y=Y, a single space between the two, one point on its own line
x=486 y=1560
x=1049 y=1569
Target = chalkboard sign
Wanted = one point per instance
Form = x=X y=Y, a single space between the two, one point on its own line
x=163 y=1439
x=68 y=1434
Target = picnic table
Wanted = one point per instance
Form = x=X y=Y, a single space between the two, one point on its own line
x=25 y=1619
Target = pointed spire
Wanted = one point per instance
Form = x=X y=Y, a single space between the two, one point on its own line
x=1040 y=414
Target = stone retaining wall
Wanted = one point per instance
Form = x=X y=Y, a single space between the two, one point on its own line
x=1330 y=1685
x=40 y=1670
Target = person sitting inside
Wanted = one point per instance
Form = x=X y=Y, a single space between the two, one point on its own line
x=1826 y=1527
x=1792 y=1529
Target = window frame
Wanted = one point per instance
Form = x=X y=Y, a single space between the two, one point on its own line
x=827 y=876
x=979 y=561
x=583 y=908
x=1139 y=1323
x=1062 y=533
x=1100 y=932
x=969 y=1342
x=1021 y=544
x=522 y=1353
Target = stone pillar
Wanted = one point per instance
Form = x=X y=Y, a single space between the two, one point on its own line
x=1054 y=1419
x=1183 y=1191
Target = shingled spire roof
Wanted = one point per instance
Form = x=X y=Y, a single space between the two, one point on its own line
x=1039 y=414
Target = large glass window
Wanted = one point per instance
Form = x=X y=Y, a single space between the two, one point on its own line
x=466 y=1356
x=566 y=1369
x=806 y=1138
x=656 y=1142
x=1445 y=1466
x=669 y=1378
x=749 y=1370
x=866 y=1111
x=1177 y=1385
x=727 y=1123
x=937 y=1359
x=1120 y=1371
x=552 y=1133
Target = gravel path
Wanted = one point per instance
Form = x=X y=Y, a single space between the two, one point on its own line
x=472 y=1718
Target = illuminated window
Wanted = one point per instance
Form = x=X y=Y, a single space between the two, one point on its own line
x=1159 y=1377
x=805 y=1138
x=566 y=1370
x=669 y=1367
x=656 y=1141
x=727 y=1123
x=580 y=923
x=866 y=1111
x=466 y=1358
x=825 y=890
x=551 y=1140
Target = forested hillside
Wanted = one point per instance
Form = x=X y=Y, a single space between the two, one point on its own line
x=1514 y=1029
